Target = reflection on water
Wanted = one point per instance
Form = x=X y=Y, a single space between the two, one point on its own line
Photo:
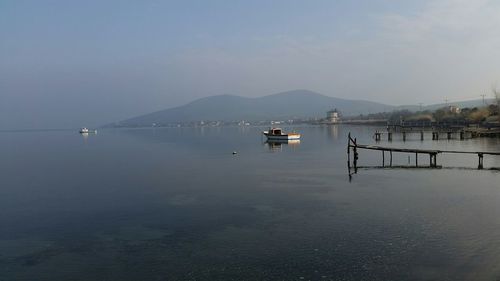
x=175 y=204
x=277 y=145
x=333 y=131
x=85 y=136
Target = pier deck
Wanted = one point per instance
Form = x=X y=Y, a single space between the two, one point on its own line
x=422 y=151
x=450 y=132
x=354 y=146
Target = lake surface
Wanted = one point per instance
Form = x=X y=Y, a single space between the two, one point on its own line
x=176 y=204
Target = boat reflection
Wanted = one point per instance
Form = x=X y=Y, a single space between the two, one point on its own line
x=277 y=145
x=85 y=135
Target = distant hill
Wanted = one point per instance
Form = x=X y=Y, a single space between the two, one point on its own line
x=281 y=106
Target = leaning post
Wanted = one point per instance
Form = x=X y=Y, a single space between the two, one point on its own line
x=355 y=155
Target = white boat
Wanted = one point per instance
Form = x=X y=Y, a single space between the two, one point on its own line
x=278 y=134
x=87 y=131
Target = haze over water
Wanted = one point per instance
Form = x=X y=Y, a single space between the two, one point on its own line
x=175 y=204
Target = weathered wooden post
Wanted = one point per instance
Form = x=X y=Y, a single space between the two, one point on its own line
x=421 y=135
x=404 y=135
x=437 y=135
x=355 y=149
x=389 y=136
x=480 y=166
x=349 y=141
x=416 y=159
x=390 y=153
x=355 y=155
x=383 y=158
x=349 y=147
x=433 y=161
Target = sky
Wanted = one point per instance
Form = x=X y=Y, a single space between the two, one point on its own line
x=68 y=63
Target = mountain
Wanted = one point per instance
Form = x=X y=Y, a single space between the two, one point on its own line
x=281 y=106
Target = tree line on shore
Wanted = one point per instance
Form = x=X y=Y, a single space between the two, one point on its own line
x=489 y=113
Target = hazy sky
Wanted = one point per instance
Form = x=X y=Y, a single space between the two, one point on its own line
x=73 y=63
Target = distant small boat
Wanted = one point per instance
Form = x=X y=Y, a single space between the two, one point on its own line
x=87 y=131
x=278 y=134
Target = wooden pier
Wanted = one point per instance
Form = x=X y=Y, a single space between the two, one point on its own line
x=462 y=135
x=448 y=133
x=354 y=146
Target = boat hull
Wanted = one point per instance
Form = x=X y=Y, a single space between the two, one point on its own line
x=282 y=137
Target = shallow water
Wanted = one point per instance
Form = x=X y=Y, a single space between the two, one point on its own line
x=176 y=204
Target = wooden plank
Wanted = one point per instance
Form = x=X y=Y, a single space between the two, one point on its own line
x=394 y=149
x=410 y=167
x=426 y=151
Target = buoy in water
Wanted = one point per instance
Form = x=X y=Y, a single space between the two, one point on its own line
x=234 y=152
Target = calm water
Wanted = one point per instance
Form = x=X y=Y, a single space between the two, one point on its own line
x=175 y=204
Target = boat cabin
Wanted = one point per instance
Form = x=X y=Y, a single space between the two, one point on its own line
x=275 y=131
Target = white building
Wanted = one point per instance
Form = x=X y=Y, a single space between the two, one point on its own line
x=454 y=109
x=332 y=116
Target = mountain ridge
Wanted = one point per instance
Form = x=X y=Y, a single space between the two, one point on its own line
x=294 y=104
x=284 y=105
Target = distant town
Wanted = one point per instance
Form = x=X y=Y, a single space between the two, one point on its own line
x=487 y=115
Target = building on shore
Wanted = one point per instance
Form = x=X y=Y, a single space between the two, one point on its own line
x=454 y=109
x=332 y=116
